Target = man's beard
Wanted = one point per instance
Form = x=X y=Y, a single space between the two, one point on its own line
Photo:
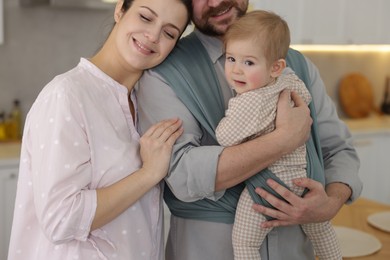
x=212 y=30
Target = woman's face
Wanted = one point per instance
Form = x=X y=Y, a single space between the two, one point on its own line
x=149 y=30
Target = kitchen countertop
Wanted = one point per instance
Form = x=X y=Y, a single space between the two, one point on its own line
x=373 y=123
x=355 y=216
x=9 y=153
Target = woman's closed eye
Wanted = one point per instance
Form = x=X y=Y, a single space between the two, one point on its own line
x=145 y=18
x=169 y=34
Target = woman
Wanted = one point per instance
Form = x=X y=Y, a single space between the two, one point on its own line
x=88 y=184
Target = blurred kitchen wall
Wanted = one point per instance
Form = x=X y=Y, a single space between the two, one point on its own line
x=333 y=66
x=41 y=42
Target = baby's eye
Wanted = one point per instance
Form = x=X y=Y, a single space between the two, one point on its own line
x=249 y=63
x=230 y=59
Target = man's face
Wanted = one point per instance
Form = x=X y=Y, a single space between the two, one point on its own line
x=213 y=17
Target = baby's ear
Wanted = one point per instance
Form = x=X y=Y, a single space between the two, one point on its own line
x=278 y=67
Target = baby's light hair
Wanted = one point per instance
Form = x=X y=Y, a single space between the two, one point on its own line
x=266 y=29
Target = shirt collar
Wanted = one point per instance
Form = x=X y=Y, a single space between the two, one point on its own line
x=212 y=44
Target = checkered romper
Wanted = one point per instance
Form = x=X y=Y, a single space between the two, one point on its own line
x=252 y=114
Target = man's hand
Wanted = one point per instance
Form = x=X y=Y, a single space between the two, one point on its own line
x=292 y=123
x=315 y=206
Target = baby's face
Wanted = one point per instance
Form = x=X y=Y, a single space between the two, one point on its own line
x=245 y=66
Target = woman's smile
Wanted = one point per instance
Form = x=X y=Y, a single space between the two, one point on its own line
x=142 y=48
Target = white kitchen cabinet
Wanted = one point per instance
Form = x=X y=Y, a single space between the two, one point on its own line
x=8 y=181
x=333 y=21
x=373 y=150
x=323 y=22
x=384 y=21
x=362 y=22
x=310 y=21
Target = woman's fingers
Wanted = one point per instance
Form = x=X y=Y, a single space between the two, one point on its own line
x=173 y=137
x=169 y=131
x=166 y=127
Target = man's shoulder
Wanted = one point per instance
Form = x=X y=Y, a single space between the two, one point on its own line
x=187 y=47
x=189 y=57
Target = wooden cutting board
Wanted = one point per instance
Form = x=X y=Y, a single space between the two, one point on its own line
x=356 y=96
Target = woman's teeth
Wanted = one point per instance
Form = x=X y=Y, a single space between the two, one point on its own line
x=142 y=47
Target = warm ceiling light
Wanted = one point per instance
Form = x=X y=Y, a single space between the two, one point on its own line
x=343 y=48
x=109 y=1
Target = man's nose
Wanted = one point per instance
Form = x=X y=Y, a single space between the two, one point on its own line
x=213 y=3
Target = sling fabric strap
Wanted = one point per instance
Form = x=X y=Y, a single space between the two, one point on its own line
x=190 y=73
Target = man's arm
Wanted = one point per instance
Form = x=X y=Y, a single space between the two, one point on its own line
x=341 y=170
x=199 y=167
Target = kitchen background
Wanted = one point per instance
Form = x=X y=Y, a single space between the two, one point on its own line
x=42 y=40
x=39 y=40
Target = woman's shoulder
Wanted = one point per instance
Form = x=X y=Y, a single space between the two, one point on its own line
x=61 y=85
x=77 y=81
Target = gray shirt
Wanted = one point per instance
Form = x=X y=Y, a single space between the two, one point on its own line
x=193 y=166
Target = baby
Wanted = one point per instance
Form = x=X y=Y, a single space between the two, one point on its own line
x=256 y=47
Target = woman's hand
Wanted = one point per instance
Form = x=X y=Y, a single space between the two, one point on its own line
x=317 y=205
x=156 y=147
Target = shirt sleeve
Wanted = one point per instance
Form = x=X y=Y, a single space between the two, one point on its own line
x=195 y=155
x=65 y=206
x=340 y=157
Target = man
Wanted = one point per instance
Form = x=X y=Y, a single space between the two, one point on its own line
x=204 y=179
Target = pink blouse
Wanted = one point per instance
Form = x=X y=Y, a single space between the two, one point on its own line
x=79 y=136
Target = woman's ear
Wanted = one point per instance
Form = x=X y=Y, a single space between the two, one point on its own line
x=278 y=67
x=118 y=11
